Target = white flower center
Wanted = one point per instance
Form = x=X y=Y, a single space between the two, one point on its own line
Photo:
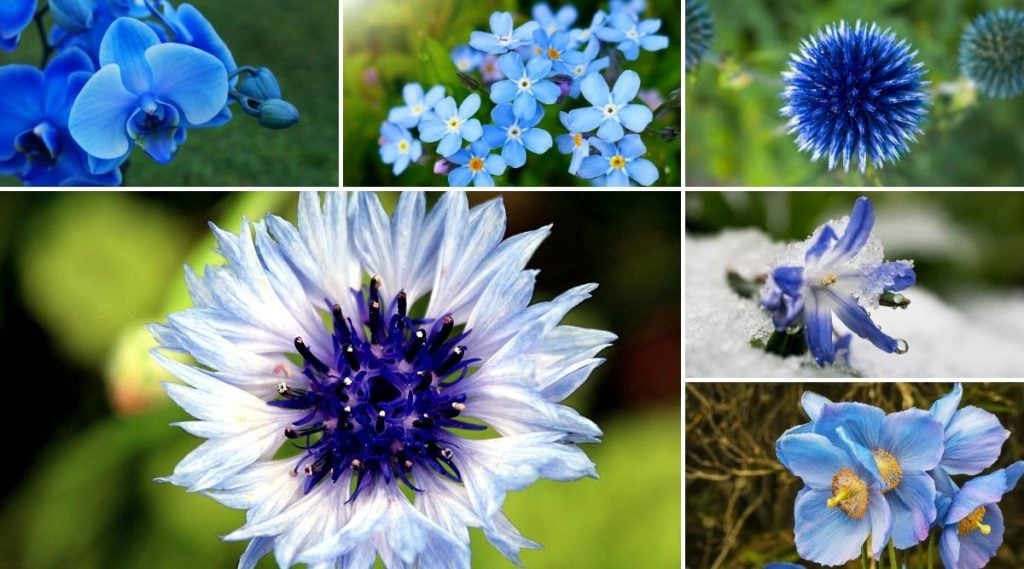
x=579 y=70
x=610 y=110
x=417 y=109
x=514 y=132
x=525 y=84
x=463 y=64
x=504 y=40
x=585 y=34
x=453 y=124
x=403 y=146
x=632 y=33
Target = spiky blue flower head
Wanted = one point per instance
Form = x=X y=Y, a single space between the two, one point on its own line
x=376 y=343
x=700 y=31
x=854 y=92
x=992 y=53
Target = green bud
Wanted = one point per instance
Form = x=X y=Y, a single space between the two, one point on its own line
x=260 y=85
x=277 y=114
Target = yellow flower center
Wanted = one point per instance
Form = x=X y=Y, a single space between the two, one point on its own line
x=889 y=468
x=829 y=279
x=403 y=146
x=849 y=494
x=618 y=161
x=476 y=164
x=973 y=523
x=536 y=50
x=463 y=64
x=577 y=139
x=488 y=68
x=454 y=123
x=552 y=53
x=417 y=110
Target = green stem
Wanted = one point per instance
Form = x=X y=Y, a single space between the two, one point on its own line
x=892 y=555
x=47 y=48
x=864 y=557
x=931 y=549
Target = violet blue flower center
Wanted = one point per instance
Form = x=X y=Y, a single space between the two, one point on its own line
x=849 y=494
x=972 y=523
x=381 y=404
x=889 y=468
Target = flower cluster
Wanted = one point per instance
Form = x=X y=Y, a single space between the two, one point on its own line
x=839 y=270
x=887 y=480
x=119 y=74
x=524 y=70
x=374 y=344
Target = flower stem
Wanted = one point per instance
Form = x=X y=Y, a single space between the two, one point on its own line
x=47 y=48
x=864 y=557
x=892 y=555
x=931 y=548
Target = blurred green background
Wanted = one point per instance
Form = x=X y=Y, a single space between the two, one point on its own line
x=739 y=499
x=389 y=43
x=81 y=273
x=297 y=40
x=736 y=137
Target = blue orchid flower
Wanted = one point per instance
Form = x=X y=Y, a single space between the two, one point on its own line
x=15 y=16
x=398 y=147
x=35 y=143
x=466 y=58
x=618 y=163
x=973 y=527
x=515 y=136
x=579 y=65
x=631 y=35
x=611 y=110
x=552 y=22
x=524 y=86
x=452 y=125
x=502 y=37
x=476 y=165
x=147 y=93
x=836 y=275
x=418 y=107
x=973 y=436
x=190 y=27
x=84 y=23
x=572 y=143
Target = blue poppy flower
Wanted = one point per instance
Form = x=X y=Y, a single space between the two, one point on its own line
x=572 y=143
x=973 y=436
x=15 y=16
x=551 y=46
x=836 y=275
x=418 y=107
x=452 y=125
x=476 y=165
x=841 y=504
x=35 y=143
x=973 y=528
x=524 y=86
x=551 y=22
x=398 y=147
x=515 y=135
x=898 y=450
x=631 y=35
x=502 y=37
x=147 y=93
x=611 y=110
x=578 y=65
x=588 y=35
x=618 y=163
x=466 y=58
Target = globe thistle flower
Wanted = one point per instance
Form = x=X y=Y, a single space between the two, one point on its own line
x=375 y=343
x=992 y=53
x=973 y=436
x=854 y=93
x=700 y=32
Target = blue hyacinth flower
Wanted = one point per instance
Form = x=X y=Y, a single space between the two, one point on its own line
x=477 y=166
x=992 y=52
x=841 y=504
x=502 y=37
x=466 y=58
x=15 y=16
x=578 y=65
x=973 y=437
x=835 y=276
x=973 y=527
x=588 y=35
x=551 y=46
x=854 y=93
x=524 y=86
x=418 y=107
x=618 y=163
x=376 y=343
x=35 y=143
x=611 y=110
x=898 y=449
x=700 y=32
x=515 y=135
x=551 y=22
x=630 y=35
x=572 y=143
x=452 y=125
x=399 y=147
x=145 y=93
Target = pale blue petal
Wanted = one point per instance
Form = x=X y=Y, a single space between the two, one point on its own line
x=643 y=171
x=632 y=146
x=100 y=115
x=469 y=106
x=494 y=165
x=914 y=438
x=626 y=87
x=195 y=81
x=595 y=90
x=511 y=65
x=912 y=503
x=125 y=44
x=514 y=154
x=483 y=180
x=826 y=535
x=537 y=140
x=445 y=109
x=592 y=167
x=504 y=91
x=524 y=106
x=412 y=94
x=618 y=179
x=494 y=136
x=860 y=421
x=610 y=130
x=546 y=91
x=654 y=43
x=584 y=120
x=566 y=143
x=636 y=117
x=432 y=130
x=976 y=548
x=471 y=130
x=973 y=439
x=450 y=144
x=459 y=177
x=812 y=458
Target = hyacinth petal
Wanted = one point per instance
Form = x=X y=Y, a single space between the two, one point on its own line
x=826 y=535
x=913 y=437
x=862 y=220
x=856 y=318
x=826 y=237
x=973 y=438
x=818 y=324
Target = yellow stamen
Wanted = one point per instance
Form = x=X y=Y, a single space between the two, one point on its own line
x=973 y=522
x=552 y=53
x=618 y=161
x=403 y=146
x=849 y=494
x=476 y=164
x=577 y=139
x=829 y=279
x=889 y=468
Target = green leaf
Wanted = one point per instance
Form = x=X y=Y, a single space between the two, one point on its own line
x=437 y=65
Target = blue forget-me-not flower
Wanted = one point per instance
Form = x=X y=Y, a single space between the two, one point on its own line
x=630 y=35
x=841 y=271
x=398 y=147
x=612 y=109
x=572 y=143
x=466 y=58
x=451 y=125
x=580 y=64
x=618 y=163
x=419 y=107
x=551 y=22
x=502 y=37
x=476 y=165
x=588 y=35
x=374 y=342
x=524 y=86
x=15 y=16
x=515 y=135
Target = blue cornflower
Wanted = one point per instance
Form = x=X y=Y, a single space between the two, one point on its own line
x=398 y=147
x=477 y=166
x=898 y=449
x=631 y=35
x=35 y=143
x=147 y=93
x=515 y=136
x=551 y=46
x=466 y=59
x=551 y=22
x=502 y=37
x=15 y=16
x=973 y=436
x=524 y=86
x=418 y=107
x=854 y=93
x=700 y=32
x=611 y=110
x=972 y=530
x=452 y=125
x=841 y=504
x=836 y=275
x=992 y=52
x=618 y=163
x=573 y=143
x=380 y=396
x=580 y=64
x=588 y=35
